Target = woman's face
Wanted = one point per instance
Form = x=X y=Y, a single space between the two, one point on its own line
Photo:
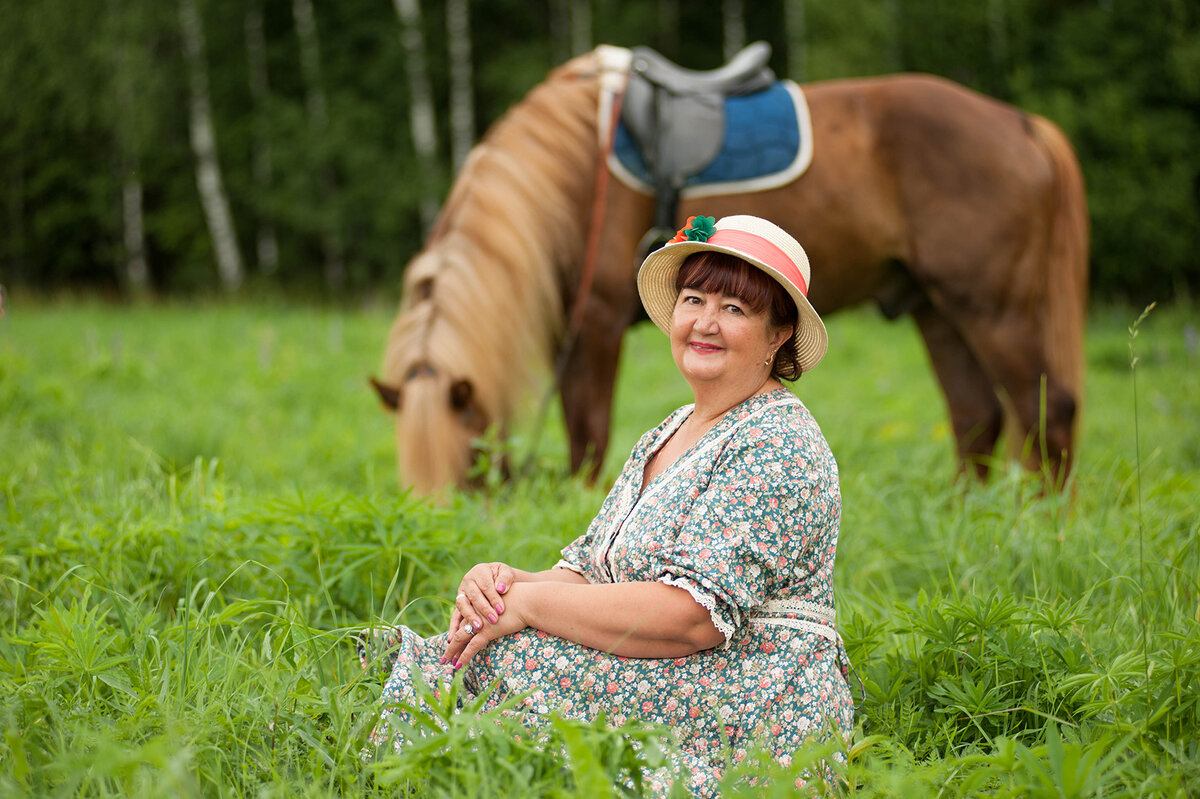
x=717 y=338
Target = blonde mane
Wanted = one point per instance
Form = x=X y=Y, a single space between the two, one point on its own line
x=483 y=301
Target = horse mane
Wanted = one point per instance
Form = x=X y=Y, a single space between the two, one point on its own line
x=484 y=299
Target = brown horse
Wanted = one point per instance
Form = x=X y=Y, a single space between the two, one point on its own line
x=924 y=196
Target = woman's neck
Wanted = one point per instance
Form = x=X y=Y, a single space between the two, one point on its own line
x=713 y=402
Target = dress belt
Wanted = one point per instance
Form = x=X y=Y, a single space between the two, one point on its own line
x=809 y=617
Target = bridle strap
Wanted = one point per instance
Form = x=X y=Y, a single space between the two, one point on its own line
x=586 y=278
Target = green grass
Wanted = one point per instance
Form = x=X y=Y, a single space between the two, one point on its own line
x=198 y=510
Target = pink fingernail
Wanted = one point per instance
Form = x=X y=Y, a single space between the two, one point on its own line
x=492 y=618
x=500 y=587
x=499 y=608
x=457 y=666
x=454 y=662
x=442 y=660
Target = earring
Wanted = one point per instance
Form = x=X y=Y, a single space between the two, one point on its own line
x=770 y=357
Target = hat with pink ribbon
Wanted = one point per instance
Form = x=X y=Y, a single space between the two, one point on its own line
x=757 y=242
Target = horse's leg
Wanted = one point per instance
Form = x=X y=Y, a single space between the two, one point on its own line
x=588 y=378
x=1008 y=345
x=1044 y=406
x=976 y=414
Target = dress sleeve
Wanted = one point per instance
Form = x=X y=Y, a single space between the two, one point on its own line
x=772 y=496
x=580 y=555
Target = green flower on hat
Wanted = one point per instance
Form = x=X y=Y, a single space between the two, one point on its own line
x=697 y=228
x=702 y=227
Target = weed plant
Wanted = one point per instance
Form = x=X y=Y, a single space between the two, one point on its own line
x=198 y=512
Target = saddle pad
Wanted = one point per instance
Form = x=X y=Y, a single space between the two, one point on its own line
x=767 y=143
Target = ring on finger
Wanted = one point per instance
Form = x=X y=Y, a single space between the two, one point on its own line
x=470 y=628
x=460 y=598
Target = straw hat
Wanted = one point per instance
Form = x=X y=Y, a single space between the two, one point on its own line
x=757 y=242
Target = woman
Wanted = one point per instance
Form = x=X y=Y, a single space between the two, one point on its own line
x=701 y=595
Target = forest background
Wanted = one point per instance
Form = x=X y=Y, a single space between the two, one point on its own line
x=177 y=147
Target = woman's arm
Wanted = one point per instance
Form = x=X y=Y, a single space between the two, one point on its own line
x=642 y=620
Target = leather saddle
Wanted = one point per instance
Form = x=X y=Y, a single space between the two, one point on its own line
x=676 y=117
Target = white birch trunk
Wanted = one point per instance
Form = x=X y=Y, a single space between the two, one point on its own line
x=895 y=49
x=421 y=115
x=797 y=40
x=136 y=270
x=137 y=273
x=267 y=246
x=310 y=63
x=462 y=98
x=560 y=30
x=734 y=23
x=318 y=117
x=998 y=32
x=581 y=26
x=204 y=146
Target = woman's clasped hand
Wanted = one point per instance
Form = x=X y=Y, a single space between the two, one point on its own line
x=479 y=614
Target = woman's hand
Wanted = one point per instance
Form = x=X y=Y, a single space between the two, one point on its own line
x=465 y=640
x=479 y=595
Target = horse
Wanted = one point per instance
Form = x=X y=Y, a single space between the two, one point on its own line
x=923 y=196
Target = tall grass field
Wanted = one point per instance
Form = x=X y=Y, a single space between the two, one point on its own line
x=199 y=510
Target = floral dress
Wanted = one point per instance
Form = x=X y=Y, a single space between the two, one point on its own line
x=746 y=522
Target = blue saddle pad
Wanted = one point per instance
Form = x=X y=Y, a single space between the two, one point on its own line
x=762 y=138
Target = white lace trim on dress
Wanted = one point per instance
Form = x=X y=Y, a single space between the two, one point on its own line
x=817 y=619
x=705 y=601
x=566 y=564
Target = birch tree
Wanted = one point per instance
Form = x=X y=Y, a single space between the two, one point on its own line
x=203 y=138
x=734 y=26
x=318 y=120
x=123 y=47
x=560 y=31
x=895 y=50
x=462 y=97
x=581 y=26
x=797 y=40
x=421 y=115
x=997 y=33
x=267 y=245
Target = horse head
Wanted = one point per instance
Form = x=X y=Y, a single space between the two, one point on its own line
x=439 y=420
x=483 y=302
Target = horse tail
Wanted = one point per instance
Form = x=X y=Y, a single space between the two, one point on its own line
x=1066 y=264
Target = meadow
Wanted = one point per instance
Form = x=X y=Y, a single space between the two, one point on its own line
x=198 y=510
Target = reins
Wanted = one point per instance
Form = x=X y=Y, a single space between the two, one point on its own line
x=586 y=280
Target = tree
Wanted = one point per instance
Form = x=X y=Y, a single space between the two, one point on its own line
x=797 y=40
x=256 y=60
x=204 y=145
x=318 y=117
x=462 y=95
x=421 y=114
x=734 y=25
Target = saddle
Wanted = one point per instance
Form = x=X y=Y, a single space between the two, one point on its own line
x=676 y=117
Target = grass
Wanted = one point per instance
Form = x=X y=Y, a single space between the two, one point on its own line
x=198 y=510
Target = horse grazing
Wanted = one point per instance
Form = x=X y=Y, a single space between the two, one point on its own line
x=922 y=195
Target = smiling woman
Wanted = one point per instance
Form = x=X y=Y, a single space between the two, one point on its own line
x=701 y=596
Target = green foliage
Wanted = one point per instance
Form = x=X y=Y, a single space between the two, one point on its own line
x=102 y=89
x=497 y=752
x=198 y=513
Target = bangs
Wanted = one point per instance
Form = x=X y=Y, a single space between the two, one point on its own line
x=721 y=273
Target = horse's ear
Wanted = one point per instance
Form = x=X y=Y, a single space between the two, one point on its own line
x=460 y=395
x=389 y=395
